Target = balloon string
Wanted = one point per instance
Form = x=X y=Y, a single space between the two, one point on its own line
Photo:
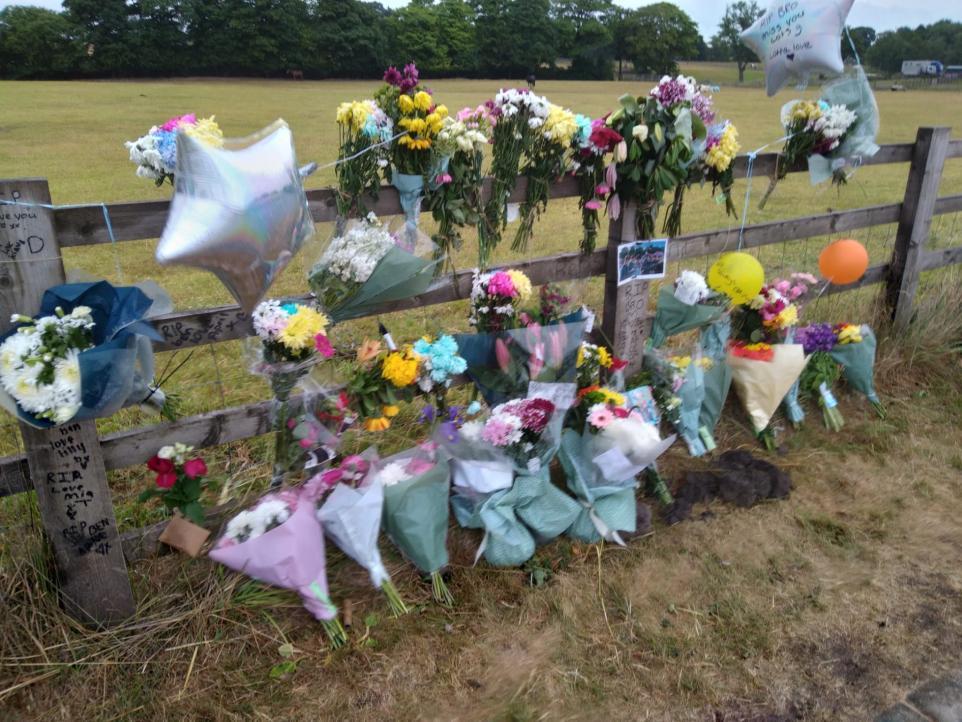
x=752 y=156
x=362 y=152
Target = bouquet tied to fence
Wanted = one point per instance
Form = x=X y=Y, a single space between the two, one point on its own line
x=367 y=264
x=593 y=145
x=156 y=152
x=85 y=355
x=362 y=126
x=291 y=339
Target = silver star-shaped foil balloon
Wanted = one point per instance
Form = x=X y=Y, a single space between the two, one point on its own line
x=798 y=38
x=239 y=211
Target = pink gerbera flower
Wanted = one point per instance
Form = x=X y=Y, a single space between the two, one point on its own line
x=600 y=416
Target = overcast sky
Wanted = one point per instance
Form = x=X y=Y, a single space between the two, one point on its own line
x=879 y=14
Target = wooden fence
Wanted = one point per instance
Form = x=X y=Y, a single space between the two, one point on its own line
x=67 y=466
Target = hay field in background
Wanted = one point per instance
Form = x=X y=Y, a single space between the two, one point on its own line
x=823 y=607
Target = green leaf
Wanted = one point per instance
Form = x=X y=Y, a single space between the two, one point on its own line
x=194 y=511
x=284 y=669
x=286 y=650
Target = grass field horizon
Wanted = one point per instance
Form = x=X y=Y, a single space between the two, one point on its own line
x=826 y=606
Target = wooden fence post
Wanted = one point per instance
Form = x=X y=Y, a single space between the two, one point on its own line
x=626 y=307
x=66 y=463
x=915 y=221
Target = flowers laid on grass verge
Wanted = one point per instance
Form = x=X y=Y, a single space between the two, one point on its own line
x=501 y=478
x=279 y=541
x=156 y=152
x=351 y=516
x=53 y=366
x=179 y=483
x=416 y=484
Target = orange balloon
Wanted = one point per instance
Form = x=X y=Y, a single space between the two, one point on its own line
x=843 y=261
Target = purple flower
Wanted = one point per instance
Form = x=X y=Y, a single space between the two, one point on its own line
x=427 y=415
x=703 y=108
x=449 y=431
x=817 y=337
x=392 y=76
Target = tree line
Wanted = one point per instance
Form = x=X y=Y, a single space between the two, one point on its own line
x=356 y=39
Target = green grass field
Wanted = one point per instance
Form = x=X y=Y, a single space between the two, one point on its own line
x=750 y=614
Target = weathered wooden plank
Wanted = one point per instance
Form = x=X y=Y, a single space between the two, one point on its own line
x=948 y=204
x=873 y=275
x=764 y=164
x=955 y=149
x=626 y=306
x=763 y=234
x=84 y=225
x=65 y=463
x=185 y=329
x=915 y=221
x=940 y=258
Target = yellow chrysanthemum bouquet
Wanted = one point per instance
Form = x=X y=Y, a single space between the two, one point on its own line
x=362 y=127
x=380 y=380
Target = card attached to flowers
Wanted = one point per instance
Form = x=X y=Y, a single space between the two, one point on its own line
x=642 y=260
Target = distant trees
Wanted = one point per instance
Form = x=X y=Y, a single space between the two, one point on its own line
x=359 y=38
x=739 y=16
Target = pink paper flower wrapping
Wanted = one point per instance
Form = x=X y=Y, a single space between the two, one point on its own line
x=290 y=556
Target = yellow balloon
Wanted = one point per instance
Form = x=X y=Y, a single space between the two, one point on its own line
x=738 y=275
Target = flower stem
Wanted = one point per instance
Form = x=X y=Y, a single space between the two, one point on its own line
x=879 y=409
x=398 y=607
x=335 y=632
x=657 y=487
x=767 y=437
x=441 y=593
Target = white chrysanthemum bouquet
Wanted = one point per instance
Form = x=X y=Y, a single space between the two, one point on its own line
x=40 y=365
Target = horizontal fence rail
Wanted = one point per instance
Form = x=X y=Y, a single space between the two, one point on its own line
x=84 y=225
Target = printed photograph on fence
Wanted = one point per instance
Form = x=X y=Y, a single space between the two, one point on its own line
x=642 y=260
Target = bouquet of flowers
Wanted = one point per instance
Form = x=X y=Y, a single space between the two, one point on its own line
x=440 y=363
x=455 y=200
x=361 y=126
x=601 y=462
x=279 y=541
x=517 y=114
x=367 y=265
x=292 y=340
x=812 y=128
x=713 y=153
x=771 y=317
x=851 y=349
x=593 y=144
x=660 y=133
x=179 y=483
x=513 y=348
x=413 y=112
x=500 y=474
x=762 y=375
x=596 y=365
x=682 y=385
x=351 y=517
x=85 y=355
x=545 y=161
x=381 y=379
x=822 y=371
x=686 y=306
x=415 y=486
x=156 y=153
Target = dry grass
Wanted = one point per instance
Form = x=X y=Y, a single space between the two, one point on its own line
x=823 y=607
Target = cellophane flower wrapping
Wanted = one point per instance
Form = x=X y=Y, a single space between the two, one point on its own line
x=369 y=264
x=416 y=508
x=510 y=498
x=674 y=316
x=600 y=469
x=682 y=382
x=858 y=363
x=351 y=517
x=290 y=555
x=793 y=409
x=762 y=385
x=115 y=371
x=713 y=340
x=854 y=92
x=502 y=364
